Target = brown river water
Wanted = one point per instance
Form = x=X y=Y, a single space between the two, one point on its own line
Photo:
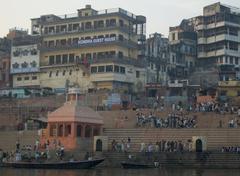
x=120 y=172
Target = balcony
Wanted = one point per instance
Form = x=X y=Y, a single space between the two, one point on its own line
x=175 y=84
x=229 y=83
x=118 y=60
x=78 y=30
x=91 y=43
x=97 y=61
x=99 y=77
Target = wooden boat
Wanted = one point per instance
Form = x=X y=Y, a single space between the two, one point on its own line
x=85 y=164
x=133 y=165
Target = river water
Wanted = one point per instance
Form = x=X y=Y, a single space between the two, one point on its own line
x=120 y=172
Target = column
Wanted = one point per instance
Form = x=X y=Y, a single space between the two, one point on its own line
x=56 y=130
x=64 y=130
x=92 y=130
x=73 y=130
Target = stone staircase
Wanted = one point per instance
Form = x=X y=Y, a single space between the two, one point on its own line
x=216 y=137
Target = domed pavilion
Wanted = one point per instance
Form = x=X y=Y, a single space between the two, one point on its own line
x=73 y=125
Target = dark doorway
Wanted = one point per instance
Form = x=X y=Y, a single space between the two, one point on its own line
x=199 y=145
x=79 y=131
x=99 y=145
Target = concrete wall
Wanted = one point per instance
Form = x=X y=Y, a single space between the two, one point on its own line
x=8 y=139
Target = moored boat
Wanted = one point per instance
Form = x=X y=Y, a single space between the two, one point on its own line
x=85 y=164
x=133 y=165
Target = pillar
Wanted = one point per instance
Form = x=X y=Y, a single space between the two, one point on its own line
x=64 y=130
x=92 y=130
x=56 y=129
x=73 y=130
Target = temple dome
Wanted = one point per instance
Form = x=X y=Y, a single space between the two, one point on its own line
x=71 y=111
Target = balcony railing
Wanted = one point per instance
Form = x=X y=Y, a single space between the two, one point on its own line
x=99 y=60
x=101 y=12
x=79 y=30
x=90 y=43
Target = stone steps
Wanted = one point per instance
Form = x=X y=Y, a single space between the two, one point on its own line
x=216 y=138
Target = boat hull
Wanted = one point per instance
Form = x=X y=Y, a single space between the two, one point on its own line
x=60 y=165
x=128 y=165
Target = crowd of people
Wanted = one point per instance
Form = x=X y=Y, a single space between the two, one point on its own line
x=171 y=121
x=121 y=146
x=160 y=146
x=233 y=123
x=166 y=146
x=35 y=152
x=231 y=149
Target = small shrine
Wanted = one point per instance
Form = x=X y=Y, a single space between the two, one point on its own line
x=73 y=125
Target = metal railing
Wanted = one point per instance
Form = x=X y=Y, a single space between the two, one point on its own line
x=125 y=28
x=72 y=45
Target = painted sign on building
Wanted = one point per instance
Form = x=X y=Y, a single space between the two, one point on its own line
x=98 y=40
x=24 y=59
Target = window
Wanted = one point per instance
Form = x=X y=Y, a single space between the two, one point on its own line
x=26 y=78
x=121 y=23
x=109 y=68
x=71 y=58
x=231 y=60
x=50 y=74
x=173 y=36
x=70 y=72
x=223 y=93
x=4 y=65
x=19 y=79
x=3 y=77
x=236 y=61
x=101 y=69
x=51 y=60
x=112 y=22
x=88 y=25
x=34 y=77
x=116 y=69
x=75 y=27
x=93 y=69
x=83 y=74
x=58 y=59
x=137 y=74
x=238 y=93
x=122 y=70
x=64 y=71
x=64 y=58
x=120 y=54
x=120 y=37
x=57 y=73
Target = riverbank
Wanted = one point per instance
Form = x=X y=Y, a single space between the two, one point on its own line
x=205 y=160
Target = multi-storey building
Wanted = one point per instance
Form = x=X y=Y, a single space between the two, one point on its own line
x=183 y=54
x=219 y=39
x=25 y=62
x=5 y=77
x=91 y=49
x=157 y=53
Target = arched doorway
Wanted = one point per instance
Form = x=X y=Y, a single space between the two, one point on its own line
x=99 y=145
x=199 y=145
